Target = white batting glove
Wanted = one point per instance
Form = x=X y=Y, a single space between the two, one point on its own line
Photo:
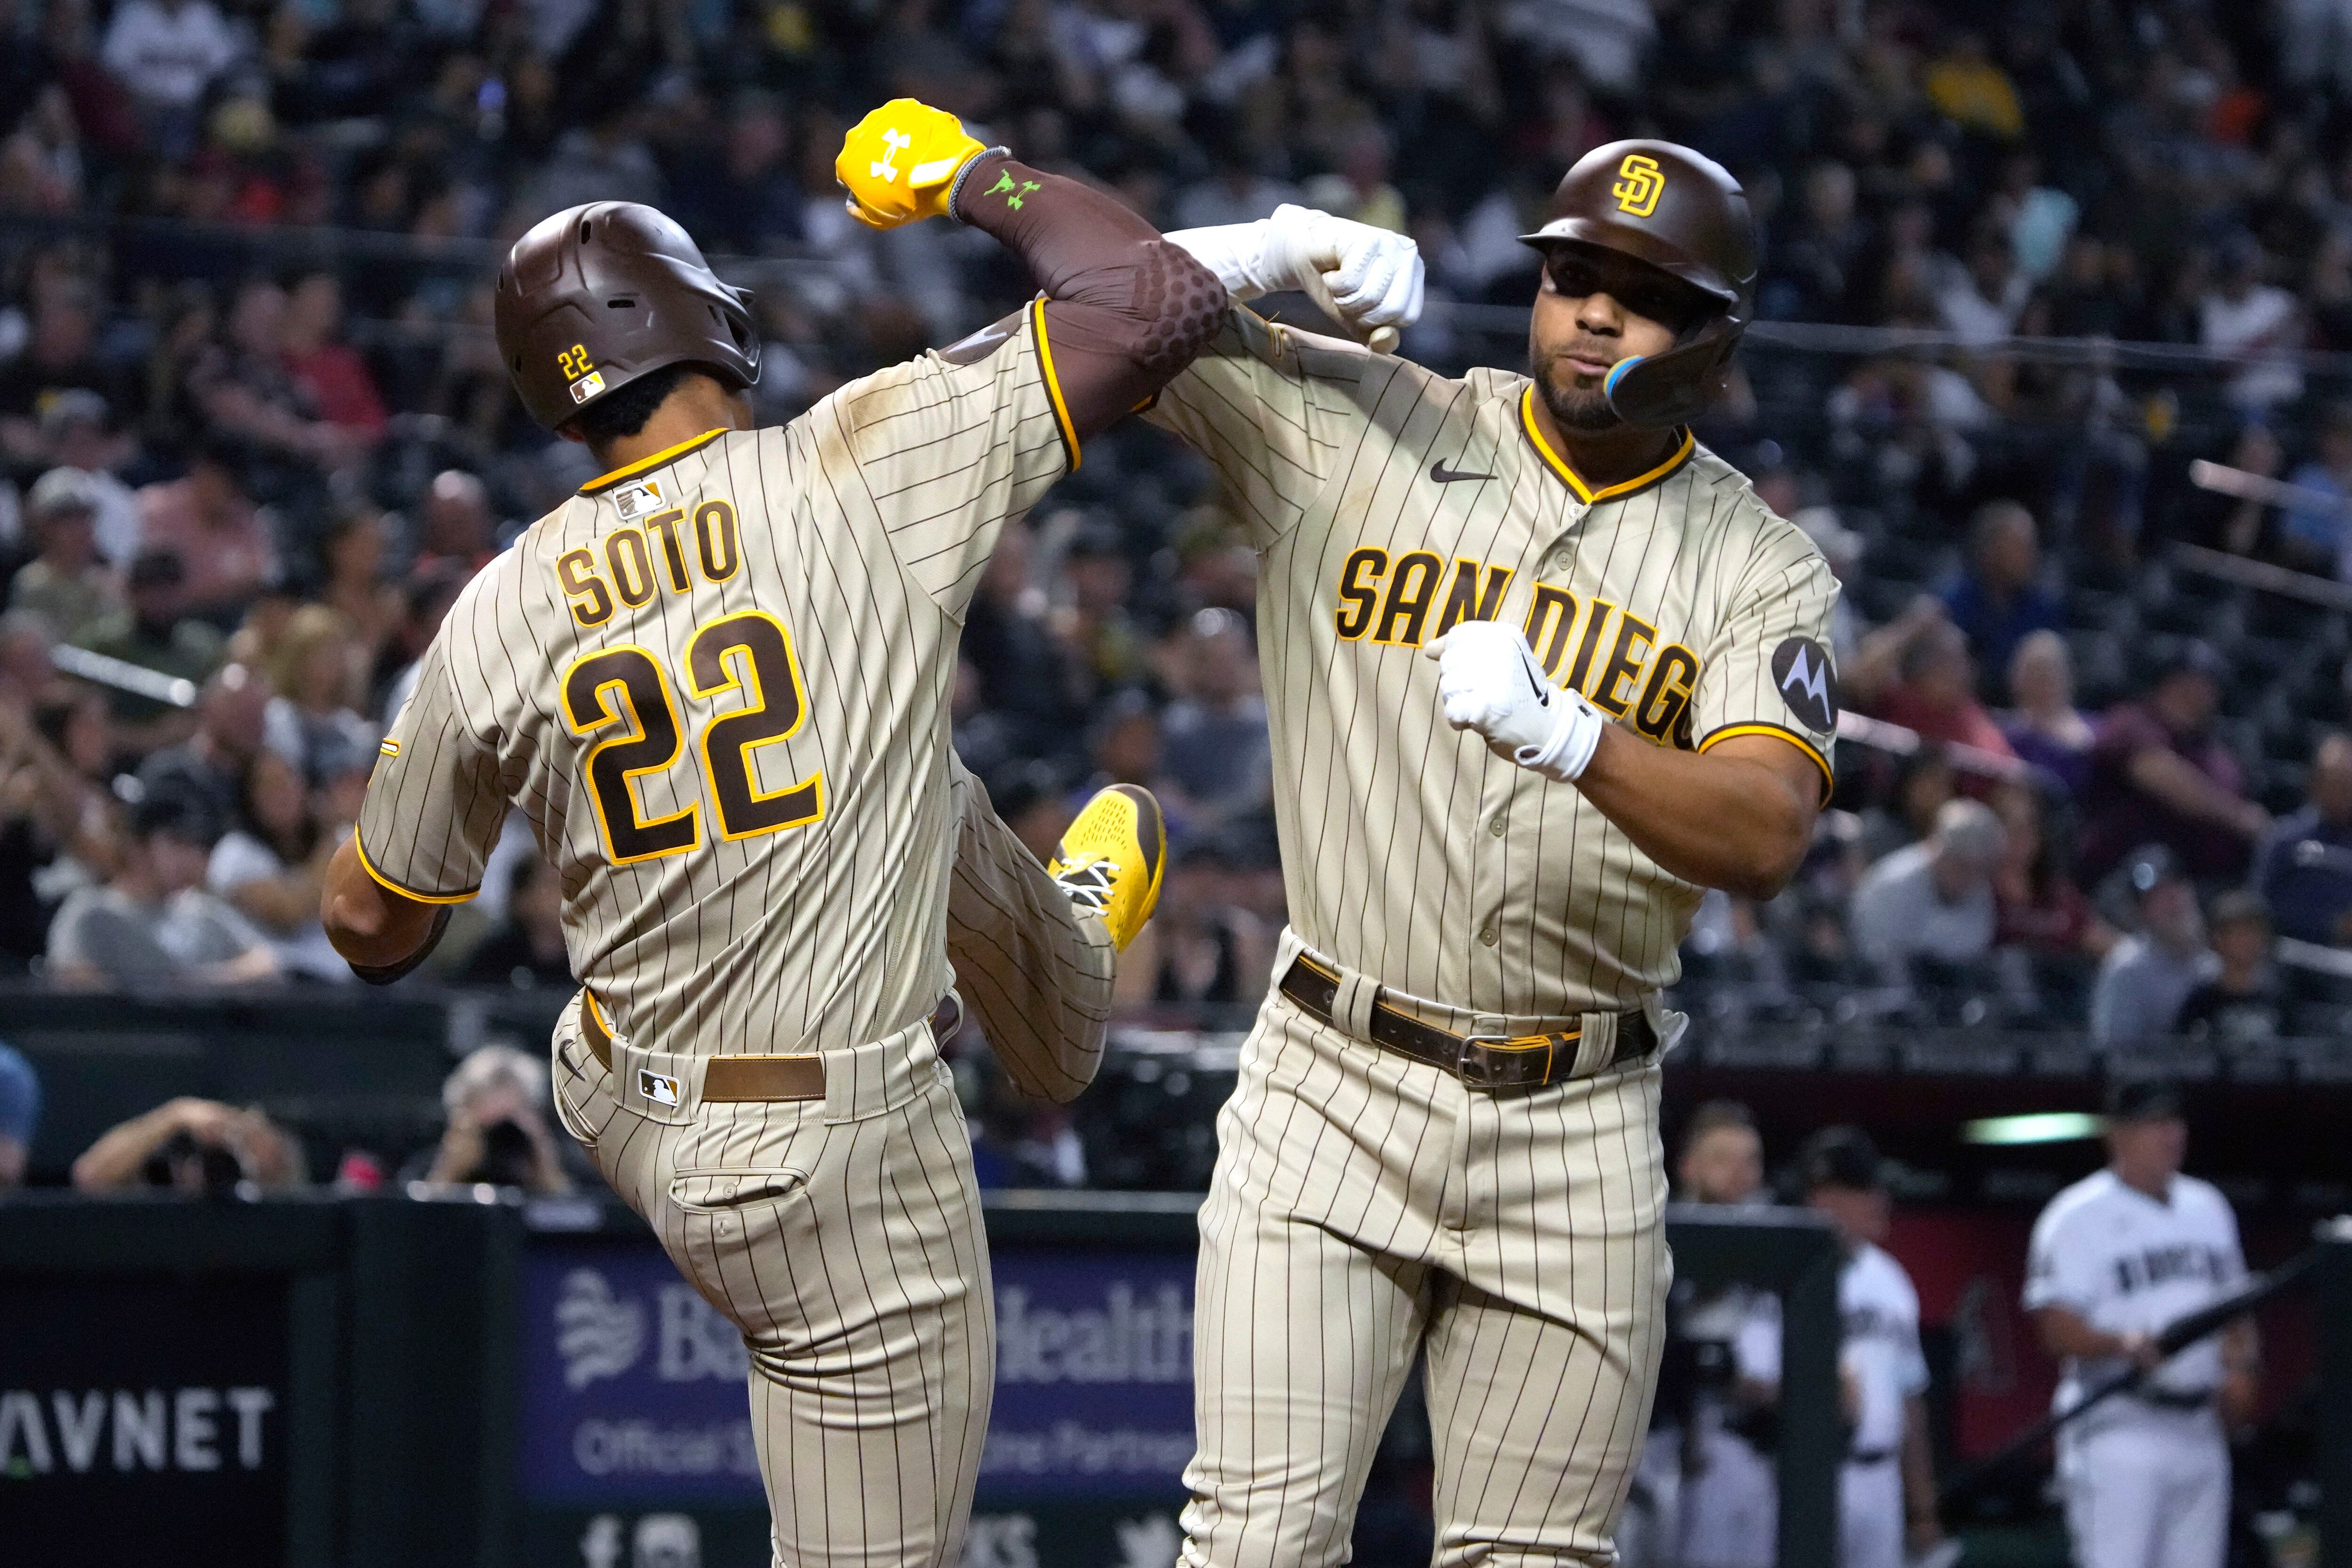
x=1488 y=680
x=1372 y=278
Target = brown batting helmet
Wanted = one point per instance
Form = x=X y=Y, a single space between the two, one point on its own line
x=1685 y=214
x=596 y=297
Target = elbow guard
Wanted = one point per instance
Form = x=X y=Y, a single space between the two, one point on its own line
x=1178 y=306
x=385 y=973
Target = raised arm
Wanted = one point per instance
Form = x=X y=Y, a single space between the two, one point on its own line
x=1124 y=309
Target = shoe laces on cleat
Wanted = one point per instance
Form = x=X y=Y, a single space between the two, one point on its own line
x=1088 y=884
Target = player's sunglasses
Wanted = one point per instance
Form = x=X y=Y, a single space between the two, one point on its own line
x=1578 y=273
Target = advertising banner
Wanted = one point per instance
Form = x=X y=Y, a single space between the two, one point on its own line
x=143 y=1420
x=636 y=1439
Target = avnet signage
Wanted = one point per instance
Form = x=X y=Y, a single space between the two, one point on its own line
x=141 y=1418
x=634 y=1389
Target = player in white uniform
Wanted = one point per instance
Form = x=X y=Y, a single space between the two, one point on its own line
x=2117 y=1256
x=1887 y=1489
x=1704 y=1495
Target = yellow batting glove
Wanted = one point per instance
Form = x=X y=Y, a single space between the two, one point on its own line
x=899 y=163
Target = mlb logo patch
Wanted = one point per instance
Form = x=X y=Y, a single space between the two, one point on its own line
x=638 y=501
x=588 y=386
x=655 y=1087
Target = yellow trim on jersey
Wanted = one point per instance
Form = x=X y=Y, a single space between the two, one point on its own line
x=410 y=893
x=588 y=999
x=666 y=455
x=1053 y=382
x=1584 y=492
x=1780 y=733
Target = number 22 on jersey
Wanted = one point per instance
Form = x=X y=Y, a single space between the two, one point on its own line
x=619 y=700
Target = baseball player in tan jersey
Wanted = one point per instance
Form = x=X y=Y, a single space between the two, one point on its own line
x=1539 y=669
x=715 y=681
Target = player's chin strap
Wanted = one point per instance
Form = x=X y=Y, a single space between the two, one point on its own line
x=385 y=973
x=1661 y=390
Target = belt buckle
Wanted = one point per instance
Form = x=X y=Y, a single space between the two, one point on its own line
x=1491 y=1062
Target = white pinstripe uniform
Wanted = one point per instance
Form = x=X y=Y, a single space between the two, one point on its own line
x=717 y=683
x=1366 y=1205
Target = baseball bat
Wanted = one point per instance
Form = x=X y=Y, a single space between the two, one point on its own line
x=2182 y=1332
x=124 y=675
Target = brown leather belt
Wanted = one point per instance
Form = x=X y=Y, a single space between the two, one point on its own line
x=735 y=1081
x=1488 y=1064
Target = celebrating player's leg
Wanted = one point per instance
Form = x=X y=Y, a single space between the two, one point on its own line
x=716 y=682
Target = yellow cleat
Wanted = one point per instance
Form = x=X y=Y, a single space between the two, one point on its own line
x=1110 y=860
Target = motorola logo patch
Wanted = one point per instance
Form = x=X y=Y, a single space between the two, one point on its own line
x=1802 y=669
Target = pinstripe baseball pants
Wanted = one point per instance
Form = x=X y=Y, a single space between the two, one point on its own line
x=1366 y=1206
x=843 y=1238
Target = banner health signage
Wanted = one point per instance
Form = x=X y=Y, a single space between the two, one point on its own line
x=633 y=1388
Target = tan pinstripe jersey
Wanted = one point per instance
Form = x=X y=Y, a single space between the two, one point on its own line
x=1387 y=503
x=716 y=682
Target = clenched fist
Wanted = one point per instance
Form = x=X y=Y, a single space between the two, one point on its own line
x=900 y=163
x=1488 y=680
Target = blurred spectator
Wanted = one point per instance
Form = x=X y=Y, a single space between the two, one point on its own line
x=333 y=377
x=74 y=434
x=459 y=526
x=247 y=391
x=1211 y=952
x=527 y=950
x=205 y=523
x=2243 y=316
x=2159 y=775
x=66 y=584
x=1216 y=755
x=2316 y=538
x=424 y=604
x=1934 y=899
x=1915 y=672
x=193 y=1146
x=168 y=52
x=60 y=356
x=20 y=1115
x=1722 y=1156
x=2000 y=600
x=496 y=1101
x=2043 y=725
x=232 y=713
x=272 y=867
x=154 y=925
x=2037 y=905
x=2150 y=974
x=1023 y=674
x=2242 y=1003
x=2304 y=868
x=1921 y=783
x=151 y=632
x=1979 y=305
x=318 y=672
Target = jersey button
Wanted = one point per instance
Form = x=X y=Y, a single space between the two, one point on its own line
x=1489 y=935
x=1496 y=827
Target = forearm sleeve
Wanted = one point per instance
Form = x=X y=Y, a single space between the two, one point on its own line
x=1125 y=309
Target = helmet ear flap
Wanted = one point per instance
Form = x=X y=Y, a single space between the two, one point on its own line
x=1658 y=391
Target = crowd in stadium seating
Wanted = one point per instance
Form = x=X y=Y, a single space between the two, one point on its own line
x=246 y=453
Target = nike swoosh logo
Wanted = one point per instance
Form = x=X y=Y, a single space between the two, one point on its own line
x=1543 y=692
x=1445 y=476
